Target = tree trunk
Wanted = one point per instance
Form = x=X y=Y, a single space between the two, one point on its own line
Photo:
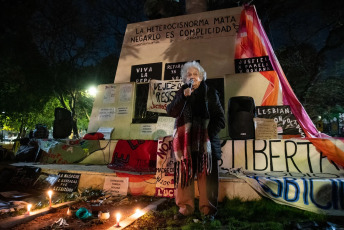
x=75 y=129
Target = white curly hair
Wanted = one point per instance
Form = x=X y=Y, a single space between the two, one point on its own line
x=196 y=65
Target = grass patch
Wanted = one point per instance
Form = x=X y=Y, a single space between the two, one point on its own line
x=234 y=214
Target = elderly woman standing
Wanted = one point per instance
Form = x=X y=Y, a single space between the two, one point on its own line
x=196 y=145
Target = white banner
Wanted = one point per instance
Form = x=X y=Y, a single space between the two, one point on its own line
x=160 y=94
x=290 y=172
x=277 y=155
x=320 y=192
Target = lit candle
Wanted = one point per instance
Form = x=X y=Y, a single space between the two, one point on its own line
x=29 y=208
x=50 y=193
x=68 y=212
x=118 y=217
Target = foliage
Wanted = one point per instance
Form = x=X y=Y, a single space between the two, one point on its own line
x=23 y=70
x=155 y=9
x=299 y=65
x=91 y=193
x=58 y=48
x=325 y=97
x=308 y=41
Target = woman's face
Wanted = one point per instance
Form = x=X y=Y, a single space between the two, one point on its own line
x=193 y=74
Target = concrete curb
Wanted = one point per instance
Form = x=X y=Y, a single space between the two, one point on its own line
x=129 y=220
x=13 y=221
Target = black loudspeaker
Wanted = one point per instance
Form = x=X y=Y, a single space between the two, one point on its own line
x=241 y=111
x=62 y=123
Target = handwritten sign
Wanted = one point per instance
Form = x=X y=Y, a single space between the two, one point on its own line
x=116 y=185
x=174 y=40
x=265 y=128
x=67 y=182
x=160 y=94
x=165 y=168
x=282 y=115
x=183 y=28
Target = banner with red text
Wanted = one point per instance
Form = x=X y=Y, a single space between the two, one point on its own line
x=160 y=94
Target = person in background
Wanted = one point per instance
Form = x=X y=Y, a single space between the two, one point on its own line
x=196 y=145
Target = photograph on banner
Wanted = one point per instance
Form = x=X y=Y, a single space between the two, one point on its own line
x=165 y=168
x=160 y=94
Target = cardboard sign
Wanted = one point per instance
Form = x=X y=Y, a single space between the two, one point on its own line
x=165 y=168
x=265 y=128
x=164 y=126
x=116 y=185
x=67 y=182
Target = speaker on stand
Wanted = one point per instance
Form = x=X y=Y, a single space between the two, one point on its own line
x=241 y=111
x=62 y=123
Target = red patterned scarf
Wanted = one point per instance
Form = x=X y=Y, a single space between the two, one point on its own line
x=191 y=144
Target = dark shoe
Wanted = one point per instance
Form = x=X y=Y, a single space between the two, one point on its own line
x=179 y=216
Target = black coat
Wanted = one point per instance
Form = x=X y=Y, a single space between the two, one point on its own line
x=213 y=108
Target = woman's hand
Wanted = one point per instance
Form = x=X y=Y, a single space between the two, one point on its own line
x=187 y=92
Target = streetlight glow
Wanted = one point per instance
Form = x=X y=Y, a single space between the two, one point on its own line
x=92 y=91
